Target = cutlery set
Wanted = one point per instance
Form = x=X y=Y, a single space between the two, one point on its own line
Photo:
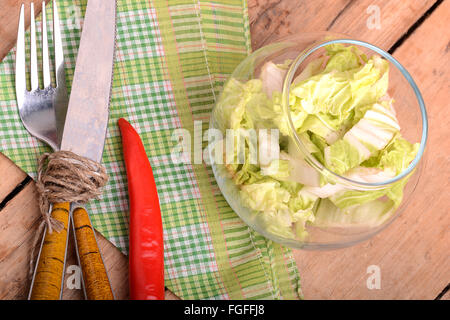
x=77 y=124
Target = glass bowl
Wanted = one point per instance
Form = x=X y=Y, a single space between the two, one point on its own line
x=328 y=226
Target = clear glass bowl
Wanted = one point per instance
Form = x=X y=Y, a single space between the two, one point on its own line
x=411 y=114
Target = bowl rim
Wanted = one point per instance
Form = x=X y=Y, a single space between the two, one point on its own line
x=311 y=159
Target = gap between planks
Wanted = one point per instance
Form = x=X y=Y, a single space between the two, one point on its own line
x=18 y=188
x=347 y=17
x=444 y=294
x=415 y=26
x=407 y=34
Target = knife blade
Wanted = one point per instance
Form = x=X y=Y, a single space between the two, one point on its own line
x=87 y=115
x=86 y=127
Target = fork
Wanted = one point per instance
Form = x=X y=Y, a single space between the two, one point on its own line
x=43 y=111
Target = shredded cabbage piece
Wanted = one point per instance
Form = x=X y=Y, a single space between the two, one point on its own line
x=342 y=114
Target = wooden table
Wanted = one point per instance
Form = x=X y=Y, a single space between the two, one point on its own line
x=413 y=253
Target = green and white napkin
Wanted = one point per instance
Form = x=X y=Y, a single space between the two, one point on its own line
x=172 y=58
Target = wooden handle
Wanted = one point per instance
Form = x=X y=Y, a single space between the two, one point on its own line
x=95 y=278
x=50 y=268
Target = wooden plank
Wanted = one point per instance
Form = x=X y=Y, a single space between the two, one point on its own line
x=16 y=220
x=116 y=264
x=69 y=292
x=395 y=18
x=446 y=294
x=413 y=252
x=9 y=17
x=409 y=251
x=117 y=267
x=270 y=19
x=14 y=278
x=274 y=18
x=9 y=178
x=19 y=221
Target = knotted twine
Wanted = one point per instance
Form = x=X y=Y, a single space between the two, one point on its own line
x=64 y=176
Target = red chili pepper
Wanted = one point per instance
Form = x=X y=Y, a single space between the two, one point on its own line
x=146 y=253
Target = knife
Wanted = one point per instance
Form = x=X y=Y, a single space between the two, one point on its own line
x=86 y=126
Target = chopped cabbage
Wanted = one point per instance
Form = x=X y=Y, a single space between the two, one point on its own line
x=342 y=114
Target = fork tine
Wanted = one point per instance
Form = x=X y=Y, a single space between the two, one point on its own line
x=59 y=54
x=21 y=80
x=34 y=70
x=45 y=58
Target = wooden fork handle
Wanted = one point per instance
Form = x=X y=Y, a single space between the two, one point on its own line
x=47 y=280
x=95 y=277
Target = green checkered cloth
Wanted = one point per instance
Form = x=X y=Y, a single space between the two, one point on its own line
x=172 y=58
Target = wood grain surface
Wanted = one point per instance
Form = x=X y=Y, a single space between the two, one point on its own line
x=413 y=253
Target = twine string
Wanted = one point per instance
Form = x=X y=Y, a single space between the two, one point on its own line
x=64 y=176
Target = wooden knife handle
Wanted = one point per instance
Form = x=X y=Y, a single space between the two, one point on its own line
x=95 y=277
x=50 y=268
